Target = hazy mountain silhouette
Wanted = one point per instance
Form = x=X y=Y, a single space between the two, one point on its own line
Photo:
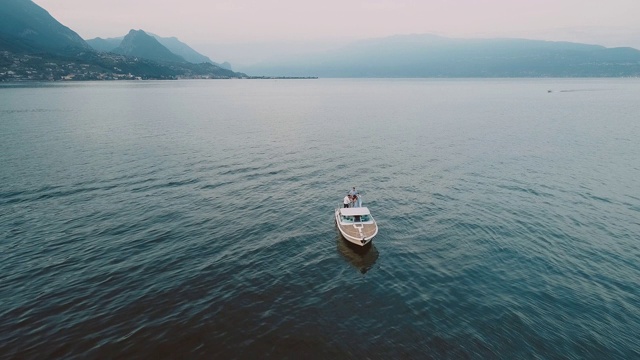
x=172 y=43
x=435 y=56
x=179 y=48
x=27 y=28
x=138 y=43
x=104 y=45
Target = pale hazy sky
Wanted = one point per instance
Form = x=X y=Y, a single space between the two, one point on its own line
x=227 y=24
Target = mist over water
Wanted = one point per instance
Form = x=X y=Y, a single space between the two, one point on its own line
x=195 y=218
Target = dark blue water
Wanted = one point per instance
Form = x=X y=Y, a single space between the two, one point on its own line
x=190 y=219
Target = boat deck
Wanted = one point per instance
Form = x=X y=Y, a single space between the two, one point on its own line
x=359 y=230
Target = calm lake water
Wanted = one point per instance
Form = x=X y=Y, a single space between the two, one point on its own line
x=194 y=219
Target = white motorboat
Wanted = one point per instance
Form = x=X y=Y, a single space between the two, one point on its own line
x=356 y=225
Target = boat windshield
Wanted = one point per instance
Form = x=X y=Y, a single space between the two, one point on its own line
x=356 y=218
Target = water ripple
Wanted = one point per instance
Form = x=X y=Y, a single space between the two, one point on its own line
x=508 y=221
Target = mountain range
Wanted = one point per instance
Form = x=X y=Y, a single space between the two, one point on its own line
x=35 y=46
x=425 y=55
x=172 y=43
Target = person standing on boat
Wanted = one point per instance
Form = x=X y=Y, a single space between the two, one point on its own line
x=353 y=194
x=346 y=201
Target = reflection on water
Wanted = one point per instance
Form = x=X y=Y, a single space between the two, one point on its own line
x=361 y=257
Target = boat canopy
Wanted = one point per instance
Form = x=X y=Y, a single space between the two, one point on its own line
x=354 y=211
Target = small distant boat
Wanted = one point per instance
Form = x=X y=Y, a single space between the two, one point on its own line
x=356 y=225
